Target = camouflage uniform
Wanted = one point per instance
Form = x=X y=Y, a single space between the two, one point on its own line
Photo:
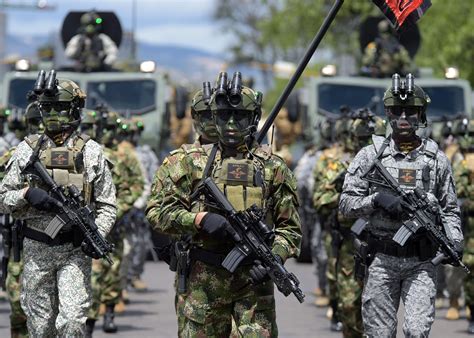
x=128 y=181
x=463 y=170
x=62 y=272
x=141 y=237
x=15 y=269
x=304 y=176
x=346 y=290
x=397 y=272
x=214 y=296
x=390 y=278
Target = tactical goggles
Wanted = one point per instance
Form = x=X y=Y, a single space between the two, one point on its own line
x=408 y=110
x=60 y=107
x=242 y=118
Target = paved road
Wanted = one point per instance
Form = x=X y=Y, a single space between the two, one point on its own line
x=151 y=314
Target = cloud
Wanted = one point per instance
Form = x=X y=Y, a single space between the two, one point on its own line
x=202 y=36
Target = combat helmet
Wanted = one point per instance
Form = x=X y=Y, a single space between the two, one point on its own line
x=365 y=124
x=202 y=115
x=405 y=96
x=89 y=122
x=90 y=23
x=60 y=102
x=237 y=109
x=33 y=118
x=464 y=131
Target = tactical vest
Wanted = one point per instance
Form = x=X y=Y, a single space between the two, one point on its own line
x=419 y=170
x=65 y=164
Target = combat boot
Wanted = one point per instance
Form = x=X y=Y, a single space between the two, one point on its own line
x=109 y=325
x=453 y=311
x=138 y=285
x=90 y=323
x=470 y=327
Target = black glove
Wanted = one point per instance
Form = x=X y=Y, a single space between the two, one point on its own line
x=390 y=203
x=459 y=249
x=88 y=250
x=258 y=273
x=40 y=199
x=214 y=224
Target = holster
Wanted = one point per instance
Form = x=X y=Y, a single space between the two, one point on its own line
x=181 y=249
x=17 y=239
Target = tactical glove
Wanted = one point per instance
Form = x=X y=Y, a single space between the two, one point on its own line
x=88 y=250
x=459 y=249
x=258 y=273
x=389 y=203
x=40 y=199
x=214 y=224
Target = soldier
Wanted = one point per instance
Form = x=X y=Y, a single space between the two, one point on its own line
x=56 y=271
x=385 y=55
x=140 y=239
x=93 y=50
x=213 y=296
x=397 y=272
x=463 y=169
x=8 y=140
x=128 y=180
x=330 y=171
x=15 y=269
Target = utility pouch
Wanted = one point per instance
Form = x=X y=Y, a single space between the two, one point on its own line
x=362 y=259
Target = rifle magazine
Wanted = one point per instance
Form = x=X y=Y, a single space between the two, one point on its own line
x=233 y=259
x=54 y=226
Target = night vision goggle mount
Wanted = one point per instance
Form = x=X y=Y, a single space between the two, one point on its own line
x=403 y=88
x=46 y=86
x=225 y=91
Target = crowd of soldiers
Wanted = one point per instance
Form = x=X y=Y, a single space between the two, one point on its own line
x=55 y=288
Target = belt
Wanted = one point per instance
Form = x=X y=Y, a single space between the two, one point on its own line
x=60 y=239
x=390 y=248
x=214 y=258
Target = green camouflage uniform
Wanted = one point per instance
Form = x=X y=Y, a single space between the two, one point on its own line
x=345 y=289
x=12 y=282
x=215 y=296
x=128 y=180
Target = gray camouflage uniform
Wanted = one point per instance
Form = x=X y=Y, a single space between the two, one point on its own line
x=141 y=237
x=390 y=278
x=305 y=178
x=55 y=291
x=8 y=141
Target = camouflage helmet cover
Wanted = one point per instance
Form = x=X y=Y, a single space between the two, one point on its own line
x=202 y=117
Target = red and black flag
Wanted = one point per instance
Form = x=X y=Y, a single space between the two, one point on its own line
x=401 y=11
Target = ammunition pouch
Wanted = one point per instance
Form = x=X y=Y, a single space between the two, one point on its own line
x=363 y=257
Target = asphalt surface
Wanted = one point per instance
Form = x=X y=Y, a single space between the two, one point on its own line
x=151 y=314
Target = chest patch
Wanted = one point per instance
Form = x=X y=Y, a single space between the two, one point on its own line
x=60 y=159
x=237 y=172
x=407 y=177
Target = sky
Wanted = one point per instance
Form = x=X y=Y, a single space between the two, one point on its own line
x=179 y=22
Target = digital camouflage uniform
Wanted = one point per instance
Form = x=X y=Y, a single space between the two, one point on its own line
x=128 y=181
x=391 y=278
x=328 y=185
x=62 y=272
x=15 y=269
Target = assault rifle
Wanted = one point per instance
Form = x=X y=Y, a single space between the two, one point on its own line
x=73 y=210
x=251 y=237
x=422 y=214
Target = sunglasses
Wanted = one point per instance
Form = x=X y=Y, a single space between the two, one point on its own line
x=239 y=116
x=408 y=110
x=62 y=108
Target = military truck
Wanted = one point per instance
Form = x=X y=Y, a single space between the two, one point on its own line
x=144 y=92
x=450 y=99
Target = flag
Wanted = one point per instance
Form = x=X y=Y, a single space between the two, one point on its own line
x=401 y=11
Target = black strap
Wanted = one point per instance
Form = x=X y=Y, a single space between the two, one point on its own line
x=213 y=258
x=385 y=144
x=390 y=248
x=209 y=163
x=60 y=239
